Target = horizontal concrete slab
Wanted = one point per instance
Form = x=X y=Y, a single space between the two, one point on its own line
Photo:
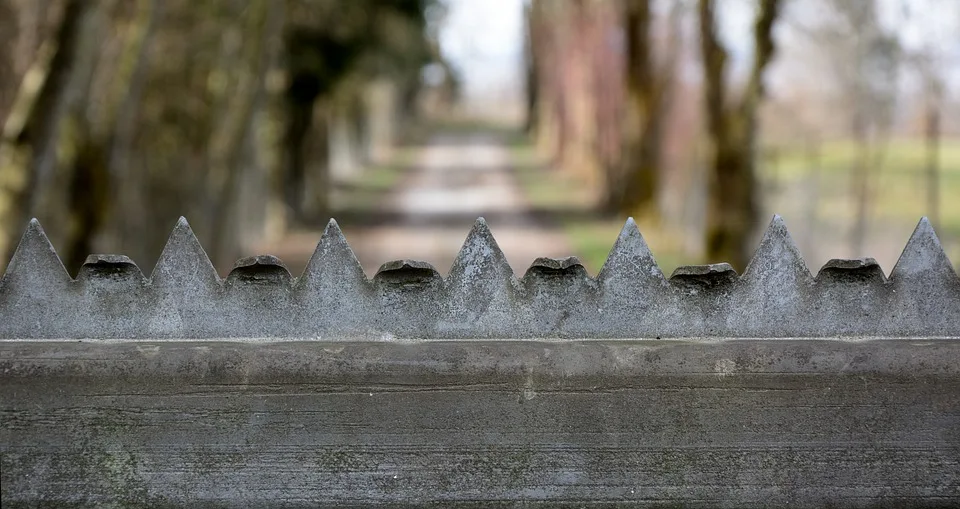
x=697 y=423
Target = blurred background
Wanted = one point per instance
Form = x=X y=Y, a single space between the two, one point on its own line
x=405 y=120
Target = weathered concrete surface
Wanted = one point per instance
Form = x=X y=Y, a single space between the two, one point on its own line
x=724 y=423
x=334 y=389
x=481 y=297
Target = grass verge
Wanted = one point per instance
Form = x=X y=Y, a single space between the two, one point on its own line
x=591 y=235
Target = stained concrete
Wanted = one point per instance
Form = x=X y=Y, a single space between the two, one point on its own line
x=727 y=423
x=481 y=297
x=773 y=388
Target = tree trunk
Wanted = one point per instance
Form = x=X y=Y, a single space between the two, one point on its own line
x=637 y=175
x=932 y=135
x=9 y=36
x=128 y=193
x=860 y=183
x=732 y=206
x=99 y=178
x=87 y=195
x=580 y=148
x=238 y=131
x=811 y=198
x=531 y=43
x=317 y=179
x=732 y=209
x=30 y=157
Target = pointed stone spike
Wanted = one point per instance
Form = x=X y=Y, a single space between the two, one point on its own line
x=777 y=257
x=632 y=291
x=922 y=255
x=333 y=295
x=480 y=257
x=333 y=261
x=480 y=290
x=771 y=296
x=631 y=258
x=35 y=295
x=184 y=289
x=183 y=260
x=925 y=296
x=35 y=259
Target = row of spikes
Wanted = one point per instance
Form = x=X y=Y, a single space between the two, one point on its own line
x=36 y=254
x=481 y=297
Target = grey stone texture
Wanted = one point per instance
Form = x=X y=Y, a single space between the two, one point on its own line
x=773 y=388
x=632 y=423
x=481 y=298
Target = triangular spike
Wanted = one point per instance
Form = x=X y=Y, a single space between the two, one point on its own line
x=184 y=287
x=333 y=261
x=480 y=289
x=923 y=254
x=925 y=296
x=183 y=259
x=35 y=258
x=35 y=290
x=479 y=257
x=630 y=257
x=777 y=254
x=633 y=290
x=333 y=292
x=771 y=295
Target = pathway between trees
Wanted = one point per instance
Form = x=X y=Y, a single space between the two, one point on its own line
x=456 y=178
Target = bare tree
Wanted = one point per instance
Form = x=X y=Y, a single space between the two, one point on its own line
x=107 y=145
x=564 y=44
x=731 y=123
x=28 y=148
x=930 y=61
x=933 y=92
x=649 y=81
x=864 y=58
x=236 y=126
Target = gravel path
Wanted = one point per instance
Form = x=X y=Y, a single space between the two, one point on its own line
x=457 y=178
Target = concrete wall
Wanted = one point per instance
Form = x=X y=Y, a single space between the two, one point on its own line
x=708 y=389
x=746 y=423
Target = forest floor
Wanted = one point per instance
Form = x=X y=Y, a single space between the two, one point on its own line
x=422 y=205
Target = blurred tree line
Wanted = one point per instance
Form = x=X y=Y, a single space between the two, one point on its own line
x=602 y=80
x=631 y=96
x=119 y=116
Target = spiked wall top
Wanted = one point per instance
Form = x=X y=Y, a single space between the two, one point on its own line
x=184 y=298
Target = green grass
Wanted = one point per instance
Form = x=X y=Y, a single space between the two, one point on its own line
x=898 y=188
x=419 y=131
x=592 y=240
x=366 y=191
x=897 y=201
x=591 y=237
